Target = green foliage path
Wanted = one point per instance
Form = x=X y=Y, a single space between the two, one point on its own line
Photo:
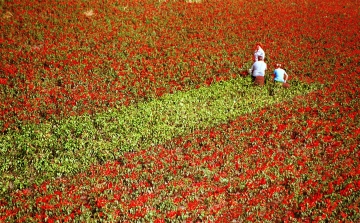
x=38 y=152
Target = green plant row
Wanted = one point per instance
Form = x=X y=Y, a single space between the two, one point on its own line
x=38 y=152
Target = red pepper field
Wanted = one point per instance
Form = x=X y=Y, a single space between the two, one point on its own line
x=143 y=111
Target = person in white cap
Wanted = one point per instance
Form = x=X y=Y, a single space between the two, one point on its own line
x=258 y=52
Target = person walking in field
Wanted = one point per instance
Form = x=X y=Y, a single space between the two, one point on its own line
x=258 y=71
x=258 y=52
x=280 y=75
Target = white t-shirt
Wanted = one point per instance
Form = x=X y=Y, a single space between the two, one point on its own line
x=258 y=68
x=259 y=52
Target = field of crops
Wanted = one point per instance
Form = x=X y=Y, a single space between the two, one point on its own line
x=143 y=111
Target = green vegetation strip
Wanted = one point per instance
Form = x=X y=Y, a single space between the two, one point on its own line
x=40 y=152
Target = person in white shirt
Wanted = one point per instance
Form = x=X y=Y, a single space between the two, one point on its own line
x=258 y=52
x=258 y=71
